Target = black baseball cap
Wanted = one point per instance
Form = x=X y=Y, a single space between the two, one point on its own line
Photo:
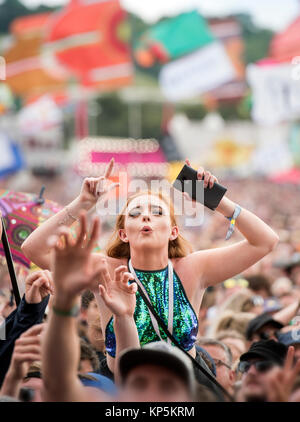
x=258 y=322
x=269 y=350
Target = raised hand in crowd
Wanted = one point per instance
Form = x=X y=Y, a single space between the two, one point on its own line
x=94 y=188
x=36 y=246
x=119 y=297
x=38 y=285
x=26 y=351
x=280 y=380
x=73 y=272
x=116 y=293
x=72 y=266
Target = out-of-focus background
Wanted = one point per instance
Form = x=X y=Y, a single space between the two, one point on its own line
x=152 y=83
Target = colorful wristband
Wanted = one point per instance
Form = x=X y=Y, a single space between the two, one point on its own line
x=237 y=211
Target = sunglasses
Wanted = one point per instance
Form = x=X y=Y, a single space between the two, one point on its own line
x=260 y=366
x=267 y=336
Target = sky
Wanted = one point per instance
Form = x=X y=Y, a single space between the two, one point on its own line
x=273 y=14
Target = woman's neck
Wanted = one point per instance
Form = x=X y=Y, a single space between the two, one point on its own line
x=149 y=260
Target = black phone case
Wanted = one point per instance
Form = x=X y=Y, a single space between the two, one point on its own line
x=186 y=182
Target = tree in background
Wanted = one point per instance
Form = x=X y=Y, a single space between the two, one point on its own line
x=12 y=9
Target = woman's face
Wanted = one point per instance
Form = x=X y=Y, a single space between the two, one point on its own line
x=147 y=223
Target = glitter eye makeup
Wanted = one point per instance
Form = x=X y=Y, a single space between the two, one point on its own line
x=134 y=212
x=156 y=210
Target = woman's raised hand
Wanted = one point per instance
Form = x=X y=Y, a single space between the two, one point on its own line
x=95 y=187
x=209 y=179
x=72 y=265
x=117 y=294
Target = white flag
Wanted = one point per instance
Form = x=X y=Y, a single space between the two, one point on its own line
x=276 y=94
x=196 y=73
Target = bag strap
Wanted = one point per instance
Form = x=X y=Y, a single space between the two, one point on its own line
x=10 y=263
x=173 y=339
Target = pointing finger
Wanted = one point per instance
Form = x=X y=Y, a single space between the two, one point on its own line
x=109 y=168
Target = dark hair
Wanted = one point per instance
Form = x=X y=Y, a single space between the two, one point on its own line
x=259 y=282
x=206 y=360
x=87 y=352
x=86 y=298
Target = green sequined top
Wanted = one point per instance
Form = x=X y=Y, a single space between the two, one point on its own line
x=185 y=324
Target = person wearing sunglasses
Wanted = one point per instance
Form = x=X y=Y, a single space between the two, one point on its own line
x=254 y=367
x=263 y=327
x=222 y=357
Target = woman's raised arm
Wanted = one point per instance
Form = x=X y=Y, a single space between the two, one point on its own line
x=35 y=246
x=217 y=265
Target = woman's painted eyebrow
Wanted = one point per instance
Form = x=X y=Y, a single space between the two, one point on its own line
x=136 y=207
x=157 y=206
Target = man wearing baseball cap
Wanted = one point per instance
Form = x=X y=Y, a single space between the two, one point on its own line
x=255 y=365
x=263 y=327
x=156 y=372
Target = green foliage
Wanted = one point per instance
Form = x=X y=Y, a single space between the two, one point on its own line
x=114 y=118
x=257 y=40
x=193 y=112
x=12 y=9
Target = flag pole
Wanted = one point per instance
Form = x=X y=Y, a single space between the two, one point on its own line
x=10 y=264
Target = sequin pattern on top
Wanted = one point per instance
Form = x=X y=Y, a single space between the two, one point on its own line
x=185 y=324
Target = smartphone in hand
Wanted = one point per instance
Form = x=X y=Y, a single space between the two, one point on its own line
x=187 y=181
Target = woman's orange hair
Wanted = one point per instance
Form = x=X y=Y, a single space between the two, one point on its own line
x=116 y=248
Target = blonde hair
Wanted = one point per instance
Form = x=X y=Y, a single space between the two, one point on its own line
x=231 y=320
x=116 y=248
x=221 y=335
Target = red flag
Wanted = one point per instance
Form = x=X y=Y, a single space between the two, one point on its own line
x=84 y=39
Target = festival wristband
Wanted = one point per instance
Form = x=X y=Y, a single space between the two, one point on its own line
x=73 y=312
x=237 y=211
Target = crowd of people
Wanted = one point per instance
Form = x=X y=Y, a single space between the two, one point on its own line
x=164 y=313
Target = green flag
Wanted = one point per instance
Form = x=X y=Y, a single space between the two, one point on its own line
x=173 y=38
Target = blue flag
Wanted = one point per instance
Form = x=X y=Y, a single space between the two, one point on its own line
x=11 y=159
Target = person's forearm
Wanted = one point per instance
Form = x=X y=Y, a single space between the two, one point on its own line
x=252 y=227
x=35 y=246
x=286 y=314
x=11 y=385
x=61 y=353
x=126 y=337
